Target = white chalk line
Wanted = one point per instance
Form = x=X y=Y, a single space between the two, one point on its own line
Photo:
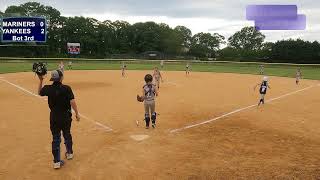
x=239 y=110
x=106 y=128
x=21 y=88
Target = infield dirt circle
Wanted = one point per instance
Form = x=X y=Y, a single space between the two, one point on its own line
x=278 y=140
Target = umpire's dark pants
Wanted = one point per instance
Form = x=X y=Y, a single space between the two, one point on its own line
x=60 y=122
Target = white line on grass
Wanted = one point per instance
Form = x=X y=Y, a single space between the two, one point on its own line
x=108 y=129
x=238 y=110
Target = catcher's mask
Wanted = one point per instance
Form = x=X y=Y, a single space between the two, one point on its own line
x=148 y=78
x=56 y=75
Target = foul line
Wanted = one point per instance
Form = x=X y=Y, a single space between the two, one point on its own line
x=238 y=110
x=106 y=128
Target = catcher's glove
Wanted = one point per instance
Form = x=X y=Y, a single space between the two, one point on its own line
x=39 y=68
x=140 y=98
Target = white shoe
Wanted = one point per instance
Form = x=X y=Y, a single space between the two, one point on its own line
x=69 y=156
x=58 y=165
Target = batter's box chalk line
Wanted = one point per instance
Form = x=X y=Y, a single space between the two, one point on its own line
x=239 y=110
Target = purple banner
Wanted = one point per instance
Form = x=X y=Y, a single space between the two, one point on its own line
x=276 y=17
x=262 y=12
x=282 y=24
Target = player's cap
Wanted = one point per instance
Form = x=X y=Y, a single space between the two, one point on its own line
x=56 y=75
x=265 y=78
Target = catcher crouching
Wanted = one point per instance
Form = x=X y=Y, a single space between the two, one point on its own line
x=149 y=91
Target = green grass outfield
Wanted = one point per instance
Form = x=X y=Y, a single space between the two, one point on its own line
x=308 y=71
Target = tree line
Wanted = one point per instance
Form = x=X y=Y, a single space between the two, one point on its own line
x=121 y=39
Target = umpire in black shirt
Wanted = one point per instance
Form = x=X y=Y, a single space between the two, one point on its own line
x=60 y=100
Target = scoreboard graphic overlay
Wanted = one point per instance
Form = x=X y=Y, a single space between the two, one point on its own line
x=23 y=29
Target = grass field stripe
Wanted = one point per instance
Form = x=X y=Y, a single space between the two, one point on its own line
x=239 y=110
x=33 y=94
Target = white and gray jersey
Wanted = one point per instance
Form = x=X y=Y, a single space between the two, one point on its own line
x=157 y=75
x=61 y=67
x=149 y=92
x=298 y=74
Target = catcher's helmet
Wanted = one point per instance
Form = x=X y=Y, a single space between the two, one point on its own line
x=148 y=78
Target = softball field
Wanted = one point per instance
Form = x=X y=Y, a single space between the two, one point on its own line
x=209 y=127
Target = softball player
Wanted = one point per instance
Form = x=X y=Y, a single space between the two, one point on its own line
x=264 y=85
x=149 y=91
x=161 y=64
x=187 y=69
x=298 y=75
x=61 y=66
x=60 y=101
x=157 y=76
x=70 y=65
x=123 y=69
x=261 y=68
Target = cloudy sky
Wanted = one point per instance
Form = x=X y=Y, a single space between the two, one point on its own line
x=221 y=16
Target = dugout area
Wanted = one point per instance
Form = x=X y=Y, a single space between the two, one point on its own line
x=279 y=140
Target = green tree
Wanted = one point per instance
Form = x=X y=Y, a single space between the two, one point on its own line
x=83 y=30
x=121 y=35
x=266 y=51
x=184 y=37
x=206 y=44
x=247 y=39
x=296 y=51
x=228 y=53
x=169 y=40
x=145 y=37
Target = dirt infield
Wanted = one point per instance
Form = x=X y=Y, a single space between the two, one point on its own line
x=280 y=140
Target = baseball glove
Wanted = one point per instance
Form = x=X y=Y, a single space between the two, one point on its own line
x=39 y=68
x=140 y=98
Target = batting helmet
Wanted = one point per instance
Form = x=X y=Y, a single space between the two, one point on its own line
x=148 y=78
x=265 y=78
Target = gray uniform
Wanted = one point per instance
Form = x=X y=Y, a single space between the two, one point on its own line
x=61 y=67
x=149 y=102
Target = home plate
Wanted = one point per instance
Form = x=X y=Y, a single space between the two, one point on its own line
x=139 y=137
